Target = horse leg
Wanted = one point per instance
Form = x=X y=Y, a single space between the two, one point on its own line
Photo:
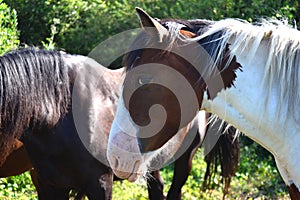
x=101 y=189
x=155 y=185
x=49 y=192
x=294 y=192
x=34 y=178
x=182 y=168
x=226 y=188
x=17 y=163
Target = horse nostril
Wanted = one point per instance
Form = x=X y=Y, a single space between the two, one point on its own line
x=136 y=166
x=116 y=163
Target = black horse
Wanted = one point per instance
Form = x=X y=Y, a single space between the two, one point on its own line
x=36 y=90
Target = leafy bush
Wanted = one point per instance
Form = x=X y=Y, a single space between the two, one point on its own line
x=82 y=24
x=8 y=26
x=17 y=187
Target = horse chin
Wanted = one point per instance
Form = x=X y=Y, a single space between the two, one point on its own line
x=136 y=172
x=133 y=177
x=121 y=174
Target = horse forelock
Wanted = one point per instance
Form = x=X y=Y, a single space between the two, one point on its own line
x=174 y=26
x=175 y=37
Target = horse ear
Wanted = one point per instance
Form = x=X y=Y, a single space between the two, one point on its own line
x=155 y=28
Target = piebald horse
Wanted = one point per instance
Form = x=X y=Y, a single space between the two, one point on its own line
x=246 y=74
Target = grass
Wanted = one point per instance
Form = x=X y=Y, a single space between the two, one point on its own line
x=257 y=178
x=17 y=187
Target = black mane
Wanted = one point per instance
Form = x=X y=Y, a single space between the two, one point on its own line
x=196 y=26
x=34 y=91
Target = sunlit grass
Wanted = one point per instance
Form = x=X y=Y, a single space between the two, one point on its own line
x=257 y=178
x=17 y=187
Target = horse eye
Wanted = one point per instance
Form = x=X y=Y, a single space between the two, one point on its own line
x=143 y=80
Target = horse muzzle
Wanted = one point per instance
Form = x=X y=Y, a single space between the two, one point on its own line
x=124 y=156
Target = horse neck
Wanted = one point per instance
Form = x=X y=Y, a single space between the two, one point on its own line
x=94 y=101
x=180 y=142
x=247 y=107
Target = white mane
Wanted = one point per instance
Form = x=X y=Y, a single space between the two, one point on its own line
x=283 y=61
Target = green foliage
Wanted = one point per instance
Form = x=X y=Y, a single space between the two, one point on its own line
x=8 y=26
x=31 y=19
x=257 y=173
x=50 y=44
x=257 y=177
x=17 y=187
x=81 y=25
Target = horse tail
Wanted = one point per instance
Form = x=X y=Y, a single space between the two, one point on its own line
x=225 y=153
